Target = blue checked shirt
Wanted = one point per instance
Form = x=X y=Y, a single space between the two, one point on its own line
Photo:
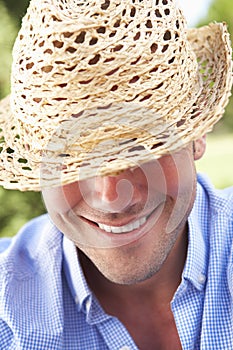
x=45 y=302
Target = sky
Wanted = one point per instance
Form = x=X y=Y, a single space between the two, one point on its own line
x=194 y=10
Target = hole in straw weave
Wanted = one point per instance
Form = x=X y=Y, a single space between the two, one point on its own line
x=149 y=24
x=147 y=97
x=101 y=30
x=117 y=23
x=93 y=41
x=157 y=13
x=77 y=115
x=71 y=49
x=137 y=36
x=114 y=88
x=154 y=48
x=85 y=81
x=29 y=65
x=47 y=69
x=62 y=85
x=167 y=35
x=154 y=70
x=112 y=71
x=80 y=38
x=105 y=5
x=165 y=47
x=37 y=99
x=134 y=79
x=132 y=12
x=9 y=150
x=127 y=141
x=117 y=48
x=2 y=139
x=49 y=51
x=158 y=86
x=171 y=60
x=180 y=123
x=156 y=145
x=64 y=155
x=112 y=34
x=94 y=60
x=55 y=19
x=109 y=59
x=58 y=44
x=67 y=34
x=136 y=148
x=23 y=160
x=84 y=164
x=137 y=60
x=70 y=69
x=167 y=12
x=26 y=168
x=60 y=99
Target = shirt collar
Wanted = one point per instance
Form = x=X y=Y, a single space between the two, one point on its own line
x=74 y=275
x=82 y=295
x=196 y=265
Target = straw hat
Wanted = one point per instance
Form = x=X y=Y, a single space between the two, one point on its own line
x=100 y=86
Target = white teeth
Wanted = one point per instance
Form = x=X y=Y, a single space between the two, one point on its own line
x=123 y=229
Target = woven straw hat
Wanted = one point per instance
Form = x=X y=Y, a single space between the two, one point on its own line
x=99 y=86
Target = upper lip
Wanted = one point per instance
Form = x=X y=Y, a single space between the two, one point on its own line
x=118 y=219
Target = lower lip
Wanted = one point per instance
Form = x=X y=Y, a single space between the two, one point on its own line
x=111 y=240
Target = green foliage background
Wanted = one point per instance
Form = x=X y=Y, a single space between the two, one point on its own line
x=15 y=207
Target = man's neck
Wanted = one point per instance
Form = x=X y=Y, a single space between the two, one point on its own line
x=144 y=308
x=159 y=288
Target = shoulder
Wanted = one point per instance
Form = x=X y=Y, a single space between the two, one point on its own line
x=216 y=201
x=31 y=282
x=213 y=214
x=22 y=254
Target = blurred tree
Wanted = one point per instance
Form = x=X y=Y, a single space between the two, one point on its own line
x=17 y=9
x=222 y=11
x=15 y=207
x=8 y=32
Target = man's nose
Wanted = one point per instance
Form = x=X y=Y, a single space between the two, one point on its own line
x=107 y=188
x=116 y=191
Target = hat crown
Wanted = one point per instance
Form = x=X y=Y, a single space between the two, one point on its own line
x=74 y=55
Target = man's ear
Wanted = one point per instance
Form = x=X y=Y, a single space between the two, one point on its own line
x=199 y=147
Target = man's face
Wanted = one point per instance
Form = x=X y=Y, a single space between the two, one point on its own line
x=128 y=224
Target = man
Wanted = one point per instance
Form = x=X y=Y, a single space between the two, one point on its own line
x=109 y=109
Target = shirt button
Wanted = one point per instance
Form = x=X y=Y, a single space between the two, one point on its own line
x=76 y=300
x=201 y=278
x=88 y=304
x=125 y=348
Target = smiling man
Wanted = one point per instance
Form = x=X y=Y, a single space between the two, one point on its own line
x=109 y=108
